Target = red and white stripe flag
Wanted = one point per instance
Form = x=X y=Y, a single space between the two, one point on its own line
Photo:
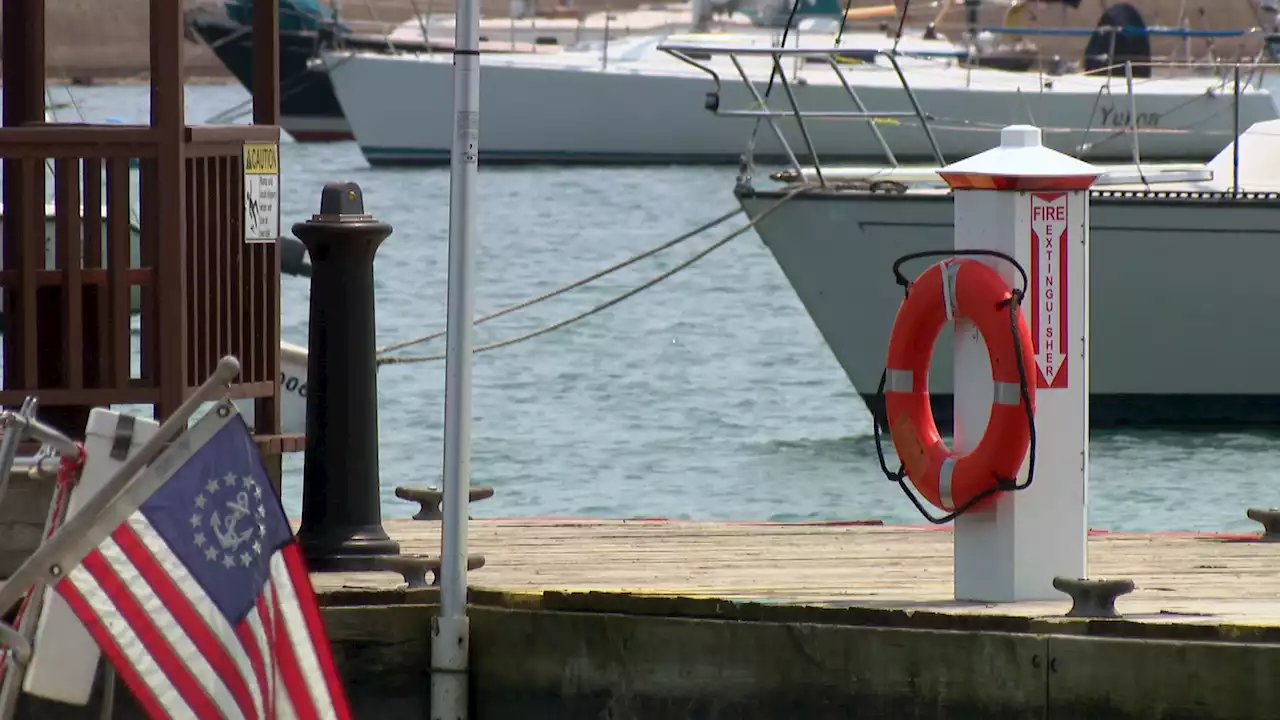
x=200 y=598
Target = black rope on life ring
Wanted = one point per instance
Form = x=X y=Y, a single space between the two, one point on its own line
x=1024 y=390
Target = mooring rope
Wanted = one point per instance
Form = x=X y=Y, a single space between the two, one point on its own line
x=749 y=225
x=288 y=88
x=575 y=284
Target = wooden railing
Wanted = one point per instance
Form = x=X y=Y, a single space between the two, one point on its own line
x=69 y=336
x=67 y=325
x=233 y=287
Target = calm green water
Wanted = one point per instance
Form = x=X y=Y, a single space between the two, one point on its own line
x=711 y=396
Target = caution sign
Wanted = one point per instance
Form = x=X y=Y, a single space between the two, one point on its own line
x=261 y=192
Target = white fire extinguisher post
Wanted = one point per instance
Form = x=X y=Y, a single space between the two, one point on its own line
x=1031 y=203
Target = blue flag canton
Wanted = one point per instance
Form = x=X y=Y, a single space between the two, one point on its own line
x=219 y=516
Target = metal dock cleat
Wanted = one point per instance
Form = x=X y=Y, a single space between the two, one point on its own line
x=1270 y=519
x=429 y=498
x=1093 y=597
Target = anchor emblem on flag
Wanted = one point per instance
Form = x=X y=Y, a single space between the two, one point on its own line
x=225 y=531
x=236 y=521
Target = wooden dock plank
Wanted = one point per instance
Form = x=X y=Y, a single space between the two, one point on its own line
x=1180 y=578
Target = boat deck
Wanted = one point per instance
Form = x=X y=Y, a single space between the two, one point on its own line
x=1182 y=579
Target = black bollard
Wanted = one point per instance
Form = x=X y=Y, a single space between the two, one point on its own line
x=341 y=503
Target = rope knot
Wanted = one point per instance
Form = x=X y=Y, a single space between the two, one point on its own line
x=69 y=467
x=1014 y=300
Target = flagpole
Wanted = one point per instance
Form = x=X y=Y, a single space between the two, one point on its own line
x=451 y=632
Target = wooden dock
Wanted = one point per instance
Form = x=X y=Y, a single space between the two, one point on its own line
x=1181 y=578
x=669 y=620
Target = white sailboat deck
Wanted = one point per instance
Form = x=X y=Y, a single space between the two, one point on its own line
x=1258 y=155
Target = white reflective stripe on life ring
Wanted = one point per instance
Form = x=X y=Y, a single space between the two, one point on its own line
x=1006 y=393
x=902 y=381
x=944 y=482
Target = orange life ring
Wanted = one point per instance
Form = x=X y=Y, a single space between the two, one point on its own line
x=946 y=479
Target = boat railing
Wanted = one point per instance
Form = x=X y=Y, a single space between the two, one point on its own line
x=17 y=639
x=67 y=536
x=1251 y=71
x=785 y=64
x=699 y=56
x=1114 y=33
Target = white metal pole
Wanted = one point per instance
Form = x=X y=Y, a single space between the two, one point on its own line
x=450 y=640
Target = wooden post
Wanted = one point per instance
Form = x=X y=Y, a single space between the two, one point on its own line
x=169 y=127
x=266 y=111
x=23 y=93
x=38 y=345
x=266 y=62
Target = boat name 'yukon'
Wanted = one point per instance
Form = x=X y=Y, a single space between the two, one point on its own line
x=1122 y=119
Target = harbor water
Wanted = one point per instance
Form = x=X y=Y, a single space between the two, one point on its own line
x=709 y=396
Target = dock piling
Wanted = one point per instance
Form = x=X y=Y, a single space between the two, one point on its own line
x=341 y=504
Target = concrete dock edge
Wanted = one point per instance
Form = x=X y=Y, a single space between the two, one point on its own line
x=532 y=662
x=1114 y=678
x=586 y=665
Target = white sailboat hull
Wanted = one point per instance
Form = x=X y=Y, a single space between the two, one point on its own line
x=557 y=109
x=1182 y=300
x=293 y=391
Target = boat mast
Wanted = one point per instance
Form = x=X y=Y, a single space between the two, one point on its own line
x=451 y=632
x=971 y=20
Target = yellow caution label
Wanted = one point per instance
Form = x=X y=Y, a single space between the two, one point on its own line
x=261 y=159
x=261 y=192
